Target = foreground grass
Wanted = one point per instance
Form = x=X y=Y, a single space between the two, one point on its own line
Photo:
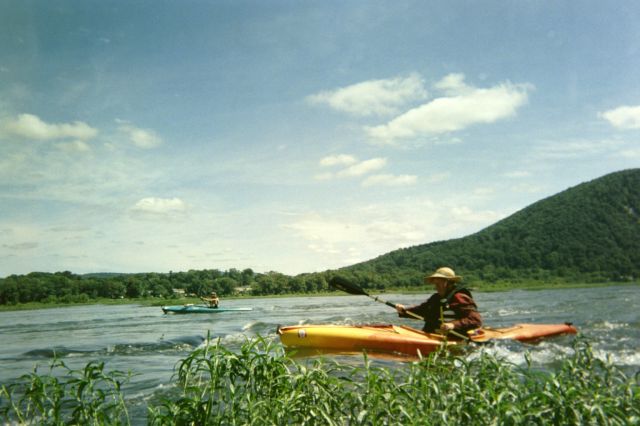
x=260 y=385
x=64 y=396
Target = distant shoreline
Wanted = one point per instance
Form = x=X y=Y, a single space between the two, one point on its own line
x=482 y=288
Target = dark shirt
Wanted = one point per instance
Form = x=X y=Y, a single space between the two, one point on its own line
x=460 y=309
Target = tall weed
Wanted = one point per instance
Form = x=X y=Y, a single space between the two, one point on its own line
x=62 y=396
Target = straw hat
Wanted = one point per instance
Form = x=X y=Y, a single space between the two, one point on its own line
x=444 y=272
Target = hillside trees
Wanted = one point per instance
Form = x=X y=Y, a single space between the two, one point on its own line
x=588 y=233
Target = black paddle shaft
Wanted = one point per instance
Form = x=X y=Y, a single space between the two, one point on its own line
x=377 y=299
x=345 y=285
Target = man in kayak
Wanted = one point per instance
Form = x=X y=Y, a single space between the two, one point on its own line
x=211 y=300
x=451 y=308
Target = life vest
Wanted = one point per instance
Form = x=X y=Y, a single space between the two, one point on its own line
x=446 y=313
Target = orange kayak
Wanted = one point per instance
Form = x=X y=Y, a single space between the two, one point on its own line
x=403 y=339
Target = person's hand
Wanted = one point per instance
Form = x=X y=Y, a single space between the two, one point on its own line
x=400 y=308
x=447 y=326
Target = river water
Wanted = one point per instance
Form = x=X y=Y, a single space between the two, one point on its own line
x=150 y=343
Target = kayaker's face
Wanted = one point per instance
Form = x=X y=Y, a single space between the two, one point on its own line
x=441 y=286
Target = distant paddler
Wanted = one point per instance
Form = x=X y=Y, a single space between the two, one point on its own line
x=212 y=300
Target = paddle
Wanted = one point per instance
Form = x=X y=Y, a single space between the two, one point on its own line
x=343 y=284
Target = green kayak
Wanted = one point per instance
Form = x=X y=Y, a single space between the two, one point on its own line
x=198 y=309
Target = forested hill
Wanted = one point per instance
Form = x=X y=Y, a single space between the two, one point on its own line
x=588 y=233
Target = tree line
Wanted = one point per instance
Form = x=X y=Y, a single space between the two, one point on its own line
x=66 y=287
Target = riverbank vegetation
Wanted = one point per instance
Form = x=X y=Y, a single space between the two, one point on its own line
x=45 y=290
x=259 y=384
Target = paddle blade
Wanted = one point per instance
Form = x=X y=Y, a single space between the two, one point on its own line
x=343 y=284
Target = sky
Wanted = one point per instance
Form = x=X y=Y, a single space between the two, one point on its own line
x=297 y=136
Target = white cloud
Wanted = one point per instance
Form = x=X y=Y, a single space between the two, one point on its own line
x=379 y=228
x=390 y=180
x=29 y=126
x=350 y=166
x=574 y=149
x=159 y=205
x=352 y=241
x=484 y=191
x=453 y=84
x=630 y=153
x=355 y=168
x=373 y=97
x=364 y=167
x=142 y=138
x=21 y=246
x=53 y=172
x=517 y=174
x=439 y=177
x=624 y=117
x=19 y=235
x=528 y=188
x=464 y=215
x=465 y=107
x=324 y=176
x=323 y=248
x=337 y=160
x=74 y=146
x=12 y=167
x=328 y=231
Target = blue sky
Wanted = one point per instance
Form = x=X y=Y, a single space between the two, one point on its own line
x=297 y=136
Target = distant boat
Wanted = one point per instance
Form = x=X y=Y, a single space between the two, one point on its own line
x=198 y=309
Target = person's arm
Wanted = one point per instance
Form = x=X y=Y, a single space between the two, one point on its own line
x=422 y=309
x=402 y=310
x=467 y=315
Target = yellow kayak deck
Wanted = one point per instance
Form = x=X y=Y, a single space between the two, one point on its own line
x=403 y=339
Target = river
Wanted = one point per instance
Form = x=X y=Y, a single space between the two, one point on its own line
x=146 y=341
